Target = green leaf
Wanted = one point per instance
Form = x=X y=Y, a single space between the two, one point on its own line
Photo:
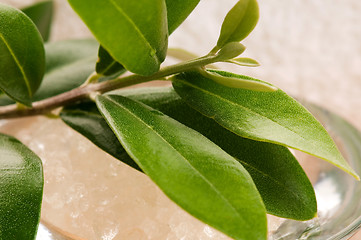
x=284 y=187
x=230 y=50
x=87 y=120
x=62 y=53
x=264 y=116
x=191 y=170
x=281 y=181
x=239 y=22
x=41 y=14
x=68 y=65
x=21 y=189
x=178 y=11
x=106 y=65
x=247 y=62
x=22 y=59
x=135 y=33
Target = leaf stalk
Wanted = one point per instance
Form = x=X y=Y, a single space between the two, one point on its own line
x=87 y=90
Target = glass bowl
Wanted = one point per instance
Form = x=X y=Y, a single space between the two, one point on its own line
x=338 y=194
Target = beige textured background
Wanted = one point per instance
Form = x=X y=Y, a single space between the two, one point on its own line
x=309 y=48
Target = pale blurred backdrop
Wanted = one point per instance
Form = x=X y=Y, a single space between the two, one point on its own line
x=309 y=48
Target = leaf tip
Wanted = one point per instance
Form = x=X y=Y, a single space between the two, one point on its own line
x=356 y=176
x=350 y=171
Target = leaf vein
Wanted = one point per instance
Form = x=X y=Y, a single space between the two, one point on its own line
x=108 y=67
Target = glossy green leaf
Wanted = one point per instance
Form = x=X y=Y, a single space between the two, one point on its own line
x=22 y=59
x=135 y=33
x=247 y=62
x=41 y=14
x=68 y=65
x=282 y=183
x=21 y=188
x=264 y=116
x=191 y=170
x=106 y=65
x=178 y=11
x=284 y=187
x=86 y=119
x=239 y=22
